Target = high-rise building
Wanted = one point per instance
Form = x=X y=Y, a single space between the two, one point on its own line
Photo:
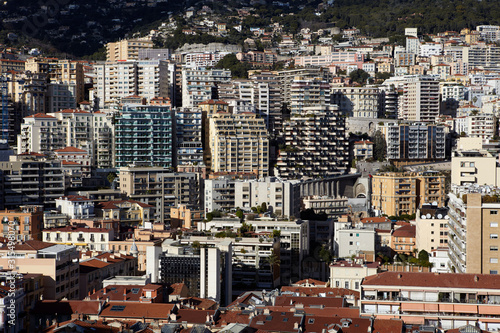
x=315 y=144
x=420 y=99
x=120 y=79
x=189 y=136
x=160 y=188
x=31 y=179
x=357 y=102
x=473 y=236
x=306 y=92
x=145 y=135
x=200 y=84
x=127 y=49
x=238 y=143
x=417 y=142
x=40 y=133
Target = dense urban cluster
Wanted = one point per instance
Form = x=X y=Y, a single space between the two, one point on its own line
x=303 y=180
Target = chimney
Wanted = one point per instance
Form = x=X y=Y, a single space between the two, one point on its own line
x=476 y=278
x=125 y=294
x=400 y=276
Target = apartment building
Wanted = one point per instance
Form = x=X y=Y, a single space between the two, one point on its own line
x=414 y=142
x=420 y=99
x=189 y=136
x=403 y=239
x=482 y=55
x=396 y=194
x=82 y=238
x=24 y=223
x=473 y=230
x=119 y=79
x=144 y=134
x=129 y=213
x=184 y=216
x=76 y=164
x=31 y=179
x=60 y=71
x=363 y=149
x=282 y=197
x=349 y=274
x=127 y=49
x=60 y=96
x=354 y=241
x=442 y=300
x=293 y=238
x=75 y=206
x=238 y=143
x=474 y=167
x=358 y=102
x=206 y=271
x=57 y=263
x=308 y=92
x=200 y=84
x=315 y=144
x=333 y=207
x=219 y=194
x=482 y=126
x=40 y=133
x=431 y=228
x=160 y=188
x=287 y=77
x=250 y=258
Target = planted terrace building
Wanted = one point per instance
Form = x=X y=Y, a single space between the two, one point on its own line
x=315 y=144
x=442 y=300
x=144 y=135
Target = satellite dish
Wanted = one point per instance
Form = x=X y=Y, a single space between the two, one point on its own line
x=434 y=203
x=440 y=216
x=428 y=215
x=423 y=217
x=446 y=217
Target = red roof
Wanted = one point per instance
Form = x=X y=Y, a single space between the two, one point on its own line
x=405 y=231
x=73 y=111
x=213 y=102
x=70 y=150
x=137 y=310
x=64 y=162
x=434 y=280
x=40 y=115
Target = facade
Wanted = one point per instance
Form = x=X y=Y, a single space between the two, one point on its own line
x=308 y=92
x=282 y=197
x=160 y=188
x=357 y=102
x=441 y=300
x=184 y=216
x=350 y=274
x=406 y=142
x=127 y=49
x=83 y=238
x=39 y=134
x=238 y=143
x=363 y=150
x=57 y=263
x=333 y=207
x=24 y=223
x=474 y=167
x=130 y=213
x=396 y=194
x=473 y=232
x=189 y=136
x=431 y=228
x=199 y=84
x=31 y=179
x=482 y=126
x=420 y=99
x=315 y=144
x=219 y=194
x=115 y=80
x=353 y=241
x=403 y=239
x=145 y=136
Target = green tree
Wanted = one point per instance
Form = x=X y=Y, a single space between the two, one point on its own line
x=379 y=146
x=238 y=69
x=239 y=214
x=359 y=76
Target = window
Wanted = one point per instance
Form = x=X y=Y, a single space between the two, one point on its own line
x=356 y=285
x=337 y=284
x=493 y=260
x=494 y=272
x=493 y=212
x=346 y=285
x=493 y=224
x=493 y=236
x=493 y=248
